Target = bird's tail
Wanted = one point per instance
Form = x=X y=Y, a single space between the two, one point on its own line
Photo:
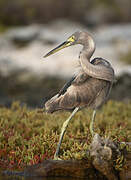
x=52 y=104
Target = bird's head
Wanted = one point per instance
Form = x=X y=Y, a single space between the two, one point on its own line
x=75 y=38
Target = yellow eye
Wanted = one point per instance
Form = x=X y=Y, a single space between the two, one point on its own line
x=71 y=39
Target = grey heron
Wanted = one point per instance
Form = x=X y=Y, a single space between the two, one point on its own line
x=89 y=88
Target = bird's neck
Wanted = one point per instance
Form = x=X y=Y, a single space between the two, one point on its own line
x=88 y=48
x=99 y=72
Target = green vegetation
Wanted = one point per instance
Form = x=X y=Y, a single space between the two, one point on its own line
x=3 y=28
x=126 y=57
x=30 y=136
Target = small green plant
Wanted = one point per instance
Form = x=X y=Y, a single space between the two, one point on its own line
x=126 y=57
x=30 y=136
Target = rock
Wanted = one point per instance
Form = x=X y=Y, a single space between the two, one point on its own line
x=5 y=44
x=103 y=152
x=7 y=66
x=108 y=34
x=49 y=37
x=23 y=35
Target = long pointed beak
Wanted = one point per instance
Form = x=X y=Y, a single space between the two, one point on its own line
x=58 y=48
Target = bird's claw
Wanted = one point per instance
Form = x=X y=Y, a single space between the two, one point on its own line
x=57 y=158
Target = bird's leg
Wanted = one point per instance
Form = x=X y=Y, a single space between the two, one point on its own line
x=92 y=123
x=65 y=124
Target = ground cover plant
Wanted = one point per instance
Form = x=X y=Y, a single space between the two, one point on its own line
x=29 y=136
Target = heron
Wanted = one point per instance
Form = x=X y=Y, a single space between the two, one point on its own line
x=90 y=87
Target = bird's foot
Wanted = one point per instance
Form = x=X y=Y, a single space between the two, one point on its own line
x=92 y=132
x=56 y=158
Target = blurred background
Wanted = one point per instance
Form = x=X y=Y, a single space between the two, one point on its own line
x=29 y=29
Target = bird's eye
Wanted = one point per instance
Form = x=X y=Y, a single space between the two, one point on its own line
x=71 y=39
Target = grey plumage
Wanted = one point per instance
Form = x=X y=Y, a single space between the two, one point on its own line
x=89 y=88
x=81 y=91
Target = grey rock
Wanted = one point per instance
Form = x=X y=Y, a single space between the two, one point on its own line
x=49 y=36
x=102 y=152
x=108 y=34
x=5 y=44
x=7 y=65
x=24 y=34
